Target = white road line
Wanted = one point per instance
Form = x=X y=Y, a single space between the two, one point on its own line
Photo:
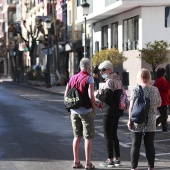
x=122 y=144
x=101 y=134
x=98 y=120
x=122 y=125
x=52 y=100
x=97 y=127
x=127 y=145
x=32 y=95
x=160 y=154
x=162 y=140
x=144 y=155
x=165 y=140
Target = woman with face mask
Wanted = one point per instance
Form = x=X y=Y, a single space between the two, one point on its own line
x=109 y=96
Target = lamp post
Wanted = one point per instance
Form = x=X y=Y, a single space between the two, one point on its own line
x=85 y=7
x=48 y=26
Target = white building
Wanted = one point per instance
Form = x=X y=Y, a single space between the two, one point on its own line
x=127 y=25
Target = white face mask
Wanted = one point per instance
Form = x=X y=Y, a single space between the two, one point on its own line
x=104 y=75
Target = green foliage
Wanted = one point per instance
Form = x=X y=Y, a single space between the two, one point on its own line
x=112 y=55
x=155 y=54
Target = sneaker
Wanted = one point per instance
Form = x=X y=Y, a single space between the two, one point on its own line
x=117 y=162
x=150 y=168
x=108 y=164
x=134 y=169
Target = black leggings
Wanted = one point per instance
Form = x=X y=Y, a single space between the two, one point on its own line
x=162 y=118
x=110 y=125
x=149 y=147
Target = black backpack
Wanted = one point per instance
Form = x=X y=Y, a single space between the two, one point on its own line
x=140 y=108
x=73 y=99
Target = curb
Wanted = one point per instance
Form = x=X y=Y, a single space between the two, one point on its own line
x=48 y=90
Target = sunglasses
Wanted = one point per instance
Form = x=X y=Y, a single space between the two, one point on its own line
x=103 y=70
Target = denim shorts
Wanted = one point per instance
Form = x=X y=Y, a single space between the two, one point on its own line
x=83 y=125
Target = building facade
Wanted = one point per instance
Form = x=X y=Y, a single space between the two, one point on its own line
x=127 y=25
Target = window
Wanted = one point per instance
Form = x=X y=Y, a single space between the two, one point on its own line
x=104 y=37
x=125 y=78
x=130 y=33
x=69 y=17
x=114 y=35
x=109 y=2
x=167 y=16
x=79 y=2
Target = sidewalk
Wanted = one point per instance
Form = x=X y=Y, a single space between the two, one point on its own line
x=54 y=89
x=59 y=90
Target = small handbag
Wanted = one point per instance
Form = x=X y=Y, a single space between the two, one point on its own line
x=124 y=102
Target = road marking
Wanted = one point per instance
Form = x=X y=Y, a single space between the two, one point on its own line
x=120 y=143
x=100 y=134
x=144 y=155
x=99 y=120
x=160 y=154
x=127 y=145
x=154 y=141
x=24 y=95
x=97 y=127
x=122 y=125
x=52 y=100
x=124 y=145
x=162 y=140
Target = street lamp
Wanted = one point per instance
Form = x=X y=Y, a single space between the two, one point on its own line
x=48 y=26
x=85 y=7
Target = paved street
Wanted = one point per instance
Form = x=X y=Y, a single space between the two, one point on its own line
x=36 y=134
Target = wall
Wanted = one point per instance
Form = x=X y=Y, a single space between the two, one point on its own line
x=108 y=21
x=151 y=27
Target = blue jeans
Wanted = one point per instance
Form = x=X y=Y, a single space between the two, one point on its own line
x=110 y=125
x=149 y=147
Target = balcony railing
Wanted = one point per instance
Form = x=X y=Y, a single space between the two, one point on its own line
x=114 y=46
x=131 y=45
x=104 y=47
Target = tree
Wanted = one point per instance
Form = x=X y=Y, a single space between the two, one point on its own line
x=112 y=55
x=155 y=54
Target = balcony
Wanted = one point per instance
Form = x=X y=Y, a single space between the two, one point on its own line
x=114 y=46
x=109 y=8
x=130 y=45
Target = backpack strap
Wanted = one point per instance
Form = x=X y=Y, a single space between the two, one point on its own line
x=141 y=91
x=142 y=94
x=78 y=82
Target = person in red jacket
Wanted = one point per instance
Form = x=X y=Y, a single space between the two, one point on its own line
x=163 y=86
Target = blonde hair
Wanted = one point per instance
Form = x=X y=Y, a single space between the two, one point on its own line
x=144 y=76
